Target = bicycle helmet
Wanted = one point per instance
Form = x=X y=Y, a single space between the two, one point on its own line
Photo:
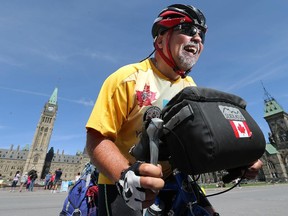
x=171 y=17
x=177 y=14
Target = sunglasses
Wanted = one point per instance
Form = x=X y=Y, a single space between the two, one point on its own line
x=190 y=30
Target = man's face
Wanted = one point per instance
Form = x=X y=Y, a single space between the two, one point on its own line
x=185 y=49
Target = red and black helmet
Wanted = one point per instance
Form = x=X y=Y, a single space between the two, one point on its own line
x=177 y=14
x=171 y=17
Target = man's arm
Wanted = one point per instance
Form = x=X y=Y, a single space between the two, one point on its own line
x=105 y=155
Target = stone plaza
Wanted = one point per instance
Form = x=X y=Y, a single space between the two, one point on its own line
x=270 y=200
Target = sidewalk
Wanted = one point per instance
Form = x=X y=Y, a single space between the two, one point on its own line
x=39 y=202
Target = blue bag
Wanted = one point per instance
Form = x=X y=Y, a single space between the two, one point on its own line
x=82 y=197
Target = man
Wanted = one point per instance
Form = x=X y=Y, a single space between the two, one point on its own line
x=33 y=176
x=47 y=180
x=130 y=96
x=58 y=174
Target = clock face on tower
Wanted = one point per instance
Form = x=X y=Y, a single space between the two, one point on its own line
x=50 y=108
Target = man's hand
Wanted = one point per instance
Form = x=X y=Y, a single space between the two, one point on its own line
x=252 y=171
x=151 y=180
x=140 y=184
x=248 y=172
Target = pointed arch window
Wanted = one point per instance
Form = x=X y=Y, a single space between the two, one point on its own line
x=36 y=158
x=272 y=169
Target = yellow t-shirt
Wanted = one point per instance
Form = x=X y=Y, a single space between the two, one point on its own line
x=127 y=96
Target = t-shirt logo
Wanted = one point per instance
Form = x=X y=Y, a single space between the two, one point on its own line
x=145 y=97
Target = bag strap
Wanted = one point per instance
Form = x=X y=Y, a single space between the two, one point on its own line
x=178 y=118
x=70 y=193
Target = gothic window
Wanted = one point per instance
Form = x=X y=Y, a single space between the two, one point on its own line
x=272 y=169
x=36 y=159
x=283 y=136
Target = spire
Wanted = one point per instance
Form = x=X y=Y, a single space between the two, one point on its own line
x=272 y=107
x=53 y=98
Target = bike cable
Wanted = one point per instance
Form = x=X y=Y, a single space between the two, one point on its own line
x=235 y=185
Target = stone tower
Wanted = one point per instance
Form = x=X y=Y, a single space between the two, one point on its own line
x=277 y=120
x=38 y=150
x=277 y=149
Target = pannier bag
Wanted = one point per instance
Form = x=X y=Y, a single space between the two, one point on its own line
x=207 y=130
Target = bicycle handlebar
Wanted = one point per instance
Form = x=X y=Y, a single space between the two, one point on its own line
x=154 y=127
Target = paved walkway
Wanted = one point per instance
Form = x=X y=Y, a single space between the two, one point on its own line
x=253 y=201
x=40 y=202
x=247 y=201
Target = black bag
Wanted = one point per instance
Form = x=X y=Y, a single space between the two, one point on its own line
x=207 y=130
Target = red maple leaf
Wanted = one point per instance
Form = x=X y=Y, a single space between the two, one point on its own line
x=145 y=97
x=241 y=129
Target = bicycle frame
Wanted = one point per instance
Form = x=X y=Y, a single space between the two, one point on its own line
x=185 y=201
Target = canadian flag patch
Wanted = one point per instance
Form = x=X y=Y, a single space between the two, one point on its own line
x=241 y=129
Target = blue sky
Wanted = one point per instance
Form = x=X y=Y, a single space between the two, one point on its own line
x=74 y=45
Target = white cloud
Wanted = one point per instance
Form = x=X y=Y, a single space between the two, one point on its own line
x=82 y=101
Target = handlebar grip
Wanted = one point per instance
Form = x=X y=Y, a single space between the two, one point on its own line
x=153 y=130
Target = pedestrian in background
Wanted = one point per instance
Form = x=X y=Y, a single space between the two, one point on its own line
x=15 y=181
x=77 y=177
x=33 y=176
x=58 y=174
x=51 y=182
x=47 y=180
x=23 y=181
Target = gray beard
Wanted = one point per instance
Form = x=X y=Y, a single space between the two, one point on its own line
x=185 y=60
x=186 y=63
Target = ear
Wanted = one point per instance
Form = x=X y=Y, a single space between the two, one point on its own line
x=159 y=41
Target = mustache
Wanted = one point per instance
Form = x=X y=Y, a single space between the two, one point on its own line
x=193 y=43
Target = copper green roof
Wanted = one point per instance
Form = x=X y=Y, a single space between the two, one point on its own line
x=271 y=149
x=53 y=98
x=272 y=107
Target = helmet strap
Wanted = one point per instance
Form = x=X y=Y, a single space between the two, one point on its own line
x=170 y=60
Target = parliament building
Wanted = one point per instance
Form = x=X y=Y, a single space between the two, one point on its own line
x=38 y=157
